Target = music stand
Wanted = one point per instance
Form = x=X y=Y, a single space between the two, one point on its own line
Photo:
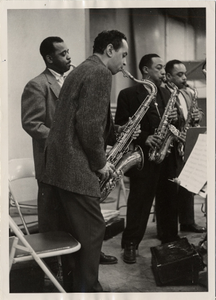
x=191 y=138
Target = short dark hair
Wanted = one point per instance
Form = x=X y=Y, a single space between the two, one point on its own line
x=146 y=61
x=170 y=65
x=47 y=47
x=105 y=38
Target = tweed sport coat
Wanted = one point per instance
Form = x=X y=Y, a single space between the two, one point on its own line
x=38 y=105
x=82 y=127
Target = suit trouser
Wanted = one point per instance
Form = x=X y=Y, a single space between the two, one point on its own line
x=50 y=212
x=140 y=199
x=167 y=209
x=185 y=203
x=185 y=207
x=81 y=216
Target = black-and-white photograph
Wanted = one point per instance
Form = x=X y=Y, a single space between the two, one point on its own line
x=107 y=125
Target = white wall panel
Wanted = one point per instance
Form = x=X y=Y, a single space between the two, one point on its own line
x=26 y=30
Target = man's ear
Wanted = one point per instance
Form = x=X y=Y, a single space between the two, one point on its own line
x=168 y=76
x=49 y=59
x=145 y=70
x=109 y=50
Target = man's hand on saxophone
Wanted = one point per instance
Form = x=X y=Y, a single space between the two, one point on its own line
x=153 y=141
x=173 y=116
x=107 y=171
x=136 y=133
x=196 y=115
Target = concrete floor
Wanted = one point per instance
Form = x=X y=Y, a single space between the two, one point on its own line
x=139 y=277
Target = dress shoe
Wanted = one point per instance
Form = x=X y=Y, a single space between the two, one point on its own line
x=107 y=259
x=192 y=228
x=129 y=255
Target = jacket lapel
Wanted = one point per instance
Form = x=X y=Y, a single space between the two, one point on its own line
x=141 y=93
x=54 y=86
x=187 y=98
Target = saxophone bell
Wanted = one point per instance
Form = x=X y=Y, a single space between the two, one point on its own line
x=120 y=156
x=133 y=158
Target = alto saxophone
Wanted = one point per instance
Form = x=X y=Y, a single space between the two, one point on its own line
x=120 y=156
x=189 y=122
x=166 y=131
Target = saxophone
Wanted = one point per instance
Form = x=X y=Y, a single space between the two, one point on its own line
x=120 y=155
x=189 y=122
x=166 y=131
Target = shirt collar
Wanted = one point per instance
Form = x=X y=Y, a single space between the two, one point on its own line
x=55 y=74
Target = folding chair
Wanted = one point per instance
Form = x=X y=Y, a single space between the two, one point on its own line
x=40 y=245
x=23 y=189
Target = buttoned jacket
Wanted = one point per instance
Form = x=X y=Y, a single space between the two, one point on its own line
x=38 y=105
x=129 y=101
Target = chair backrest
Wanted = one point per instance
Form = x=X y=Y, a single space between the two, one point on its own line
x=23 y=189
x=21 y=168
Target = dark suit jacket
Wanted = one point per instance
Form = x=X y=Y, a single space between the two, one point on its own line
x=81 y=128
x=38 y=101
x=130 y=99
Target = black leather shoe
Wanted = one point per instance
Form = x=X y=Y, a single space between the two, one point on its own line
x=129 y=255
x=192 y=228
x=107 y=259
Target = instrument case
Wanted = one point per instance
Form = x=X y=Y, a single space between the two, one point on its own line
x=176 y=263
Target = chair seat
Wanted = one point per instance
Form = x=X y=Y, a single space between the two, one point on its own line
x=48 y=244
x=28 y=207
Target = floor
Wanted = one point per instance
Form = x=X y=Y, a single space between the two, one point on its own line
x=138 y=277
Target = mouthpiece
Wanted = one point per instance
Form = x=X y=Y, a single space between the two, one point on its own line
x=72 y=66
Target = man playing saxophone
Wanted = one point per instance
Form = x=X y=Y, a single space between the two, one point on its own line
x=189 y=115
x=144 y=183
x=75 y=154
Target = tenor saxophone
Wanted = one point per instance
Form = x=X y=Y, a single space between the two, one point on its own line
x=120 y=155
x=166 y=131
x=189 y=122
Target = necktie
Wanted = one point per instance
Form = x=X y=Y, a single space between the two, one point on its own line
x=61 y=80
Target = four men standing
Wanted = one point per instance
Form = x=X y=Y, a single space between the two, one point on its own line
x=67 y=171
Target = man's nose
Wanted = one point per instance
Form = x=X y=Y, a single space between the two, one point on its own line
x=124 y=62
x=163 y=72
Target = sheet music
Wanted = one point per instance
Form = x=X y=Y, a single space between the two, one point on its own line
x=194 y=174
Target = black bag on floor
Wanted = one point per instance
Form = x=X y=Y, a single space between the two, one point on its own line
x=176 y=263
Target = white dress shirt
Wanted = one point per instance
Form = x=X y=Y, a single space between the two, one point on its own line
x=60 y=78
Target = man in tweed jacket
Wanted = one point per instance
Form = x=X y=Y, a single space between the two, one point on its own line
x=75 y=153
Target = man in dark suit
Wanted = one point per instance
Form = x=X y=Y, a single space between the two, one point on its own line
x=75 y=153
x=145 y=184
x=176 y=73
